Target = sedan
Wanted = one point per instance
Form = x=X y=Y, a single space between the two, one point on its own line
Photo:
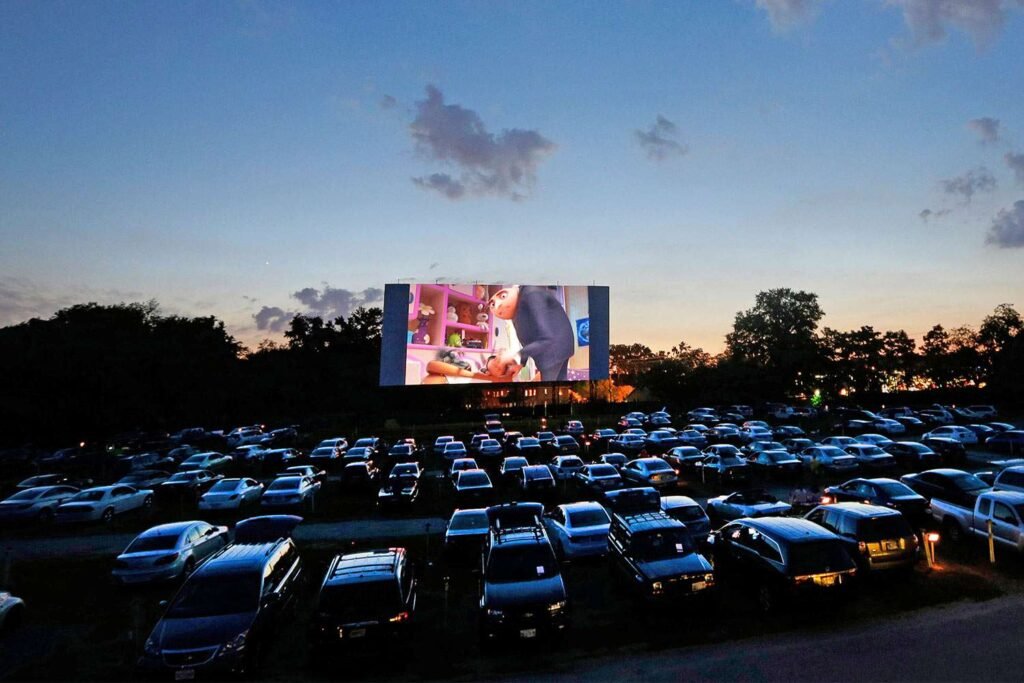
x=788 y=432
x=630 y=444
x=616 y=460
x=231 y=494
x=886 y=492
x=490 y=449
x=289 y=491
x=690 y=513
x=536 y=480
x=578 y=530
x=828 y=459
x=888 y=426
x=304 y=471
x=205 y=461
x=453 y=450
x=961 y=434
x=510 y=469
x=871 y=457
x=873 y=439
x=594 y=480
x=661 y=440
x=360 y=476
x=168 y=552
x=528 y=447
x=399 y=489
x=600 y=438
x=187 y=485
x=473 y=487
x=459 y=465
x=649 y=472
x=36 y=504
x=102 y=503
x=779 y=464
x=565 y=445
x=953 y=486
x=797 y=445
x=145 y=479
x=440 y=443
x=752 y=503
x=838 y=441
x=564 y=467
x=683 y=458
x=51 y=480
x=913 y=455
x=692 y=437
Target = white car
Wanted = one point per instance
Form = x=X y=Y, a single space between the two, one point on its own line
x=248 y=454
x=289 y=492
x=838 y=441
x=873 y=439
x=243 y=436
x=12 y=611
x=563 y=467
x=168 y=552
x=961 y=434
x=231 y=494
x=205 y=461
x=888 y=426
x=36 y=504
x=102 y=503
x=578 y=529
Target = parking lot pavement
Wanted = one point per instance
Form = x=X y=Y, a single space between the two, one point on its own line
x=111 y=544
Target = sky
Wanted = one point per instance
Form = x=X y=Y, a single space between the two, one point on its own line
x=252 y=160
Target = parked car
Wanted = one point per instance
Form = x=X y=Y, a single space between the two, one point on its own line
x=510 y=468
x=690 y=513
x=360 y=476
x=692 y=438
x=952 y=451
x=211 y=461
x=877 y=538
x=490 y=450
x=954 y=486
x=12 y=612
x=873 y=439
x=594 y=480
x=599 y=440
x=441 y=442
x=528 y=447
x=37 y=504
x=1003 y=509
x=660 y=441
x=326 y=457
x=682 y=459
x=186 y=486
x=402 y=487
x=366 y=600
x=225 y=612
x=574 y=428
x=454 y=450
x=961 y=434
x=289 y=492
x=52 y=480
x=788 y=432
x=535 y=480
x=747 y=503
x=459 y=465
x=472 y=487
x=1009 y=479
x=652 y=471
x=145 y=479
x=310 y=471
x=494 y=429
x=828 y=459
x=565 y=467
x=402 y=452
x=103 y=503
x=722 y=466
x=578 y=530
x=913 y=455
x=357 y=454
x=616 y=460
x=777 y=464
x=871 y=458
x=464 y=537
x=168 y=552
x=522 y=594
x=797 y=445
x=546 y=440
x=888 y=426
x=628 y=444
x=783 y=560
x=838 y=441
x=880 y=492
x=1010 y=441
x=656 y=557
x=276 y=458
x=231 y=494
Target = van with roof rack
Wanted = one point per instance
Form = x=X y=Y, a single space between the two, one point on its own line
x=522 y=594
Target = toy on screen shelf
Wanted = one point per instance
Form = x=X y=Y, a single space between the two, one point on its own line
x=480 y=291
x=483 y=318
x=455 y=340
x=421 y=336
x=452 y=315
x=453 y=358
x=465 y=311
x=473 y=343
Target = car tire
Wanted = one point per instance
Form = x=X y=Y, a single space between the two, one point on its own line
x=46 y=516
x=951 y=530
x=108 y=516
x=147 y=503
x=190 y=566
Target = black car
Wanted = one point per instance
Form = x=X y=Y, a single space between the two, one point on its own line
x=881 y=491
x=472 y=487
x=722 y=466
x=565 y=445
x=536 y=480
x=225 y=612
x=876 y=537
x=630 y=444
x=546 y=440
x=402 y=452
x=399 y=490
x=599 y=440
x=783 y=559
x=522 y=594
x=359 y=476
x=656 y=556
x=596 y=480
x=777 y=464
x=510 y=469
x=953 y=486
x=913 y=455
x=1008 y=441
x=366 y=600
x=145 y=479
x=683 y=458
x=528 y=447
x=464 y=537
x=186 y=486
x=952 y=451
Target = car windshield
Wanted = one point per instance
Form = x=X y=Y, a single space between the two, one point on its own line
x=87 y=496
x=528 y=441
x=893 y=489
x=28 y=494
x=572 y=462
x=465 y=522
x=662 y=544
x=775 y=456
x=210 y=596
x=225 y=486
x=490 y=443
x=603 y=471
x=474 y=479
x=579 y=518
x=144 y=544
x=658 y=465
x=522 y=563
x=817 y=557
x=183 y=476
x=968 y=482
x=360 y=601
x=515 y=464
x=403 y=470
x=831 y=451
x=687 y=513
x=883 y=528
x=284 y=483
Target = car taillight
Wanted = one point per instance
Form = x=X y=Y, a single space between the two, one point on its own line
x=400 y=617
x=166 y=559
x=827 y=500
x=862 y=546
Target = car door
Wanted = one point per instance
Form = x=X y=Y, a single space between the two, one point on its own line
x=121 y=498
x=1005 y=524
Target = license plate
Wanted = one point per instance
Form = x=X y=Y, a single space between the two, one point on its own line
x=891 y=545
x=185 y=675
x=528 y=633
x=357 y=633
x=825 y=580
x=698 y=585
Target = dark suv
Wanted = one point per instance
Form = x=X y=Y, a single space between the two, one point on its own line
x=365 y=598
x=783 y=558
x=876 y=537
x=656 y=555
x=522 y=592
x=222 y=615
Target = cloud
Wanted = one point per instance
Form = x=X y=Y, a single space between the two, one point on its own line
x=1016 y=164
x=330 y=302
x=986 y=128
x=388 y=102
x=503 y=165
x=658 y=140
x=970 y=183
x=928 y=213
x=1007 y=230
x=928 y=20
x=787 y=14
x=272 y=319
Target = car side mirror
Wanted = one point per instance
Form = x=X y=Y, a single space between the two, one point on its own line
x=164 y=603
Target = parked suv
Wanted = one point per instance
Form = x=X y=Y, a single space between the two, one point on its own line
x=783 y=558
x=876 y=537
x=365 y=598
x=522 y=592
x=657 y=557
x=225 y=611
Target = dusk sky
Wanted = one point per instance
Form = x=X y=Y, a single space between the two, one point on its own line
x=252 y=160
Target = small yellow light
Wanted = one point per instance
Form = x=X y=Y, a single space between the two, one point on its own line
x=933 y=537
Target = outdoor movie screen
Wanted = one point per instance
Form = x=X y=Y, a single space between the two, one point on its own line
x=475 y=334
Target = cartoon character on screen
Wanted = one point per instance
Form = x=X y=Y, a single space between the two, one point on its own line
x=423 y=319
x=542 y=326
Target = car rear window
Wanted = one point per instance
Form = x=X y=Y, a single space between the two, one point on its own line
x=474 y=479
x=603 y=471
x=818 y=557
x=658 y=466
x=225 y=485
x=523 y=563
x=883 y=528
x=661 y=544
x=580 y=518
x=144 y=544
x=356 y=601
x=285 y=483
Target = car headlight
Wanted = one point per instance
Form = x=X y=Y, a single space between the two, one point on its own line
x=556 y=607
x=151 y=648
x=495 y=613
x=656 y=587
x=236 y=644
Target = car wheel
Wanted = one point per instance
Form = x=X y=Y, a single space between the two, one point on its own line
x=147 y=502
x=190 y=566
x=953 y=531
x=766 y=600
x=45 y=516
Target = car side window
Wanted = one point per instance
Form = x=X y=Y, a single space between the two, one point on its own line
x=847 y=526
x=865 y=489
x=817 y=516
x=1002 y=513
x=984 y=506
x=193 y=535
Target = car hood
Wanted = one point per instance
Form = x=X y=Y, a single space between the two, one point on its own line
x=193 y=633
x=501 y=595
x=692 y=563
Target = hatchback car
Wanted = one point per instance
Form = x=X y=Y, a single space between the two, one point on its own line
x=168 y=552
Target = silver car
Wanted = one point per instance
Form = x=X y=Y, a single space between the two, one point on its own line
x=36 y=504
x=289 y=491
x=102 y=503
x=231 y=494
x=168 y=552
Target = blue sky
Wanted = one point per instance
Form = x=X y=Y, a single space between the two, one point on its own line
x=222 y=157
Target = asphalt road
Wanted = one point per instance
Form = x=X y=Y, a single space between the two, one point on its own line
x=960 y=642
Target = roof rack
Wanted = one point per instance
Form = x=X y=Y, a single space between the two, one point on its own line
x=646 y=516
x=536 y=531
